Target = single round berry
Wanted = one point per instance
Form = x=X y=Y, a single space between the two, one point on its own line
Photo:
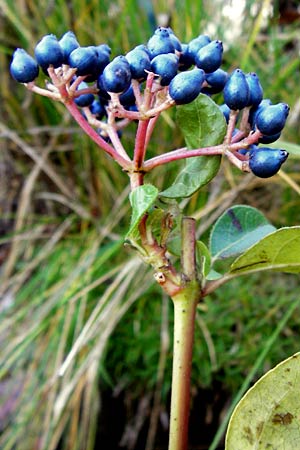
x=23 y=67
x=84 y=99
x=97 y=108
x=216 y=81
x=48 y=52
x=160 y=43
x=68 y=43
x=271 y=119
x=255 y=89
x=127 y=98
x=186 y=86
x=85 y=60
x=265 y=162
x=254 y=111
x=139 y=62
x=166 y=66
x=209 y=57
x=236 y=90
x=116 y=76
x=196 y=44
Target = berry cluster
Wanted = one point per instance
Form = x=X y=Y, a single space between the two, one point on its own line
x=150 y=78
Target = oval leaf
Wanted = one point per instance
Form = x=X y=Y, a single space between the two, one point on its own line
x=278 y=251
x=236 y=230
x=203 y=125
x=141 y=199
x=267 y=417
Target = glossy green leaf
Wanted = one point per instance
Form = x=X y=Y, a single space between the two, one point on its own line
x=267 y=417
x=278 y=251
x=236 y=230
x=203 y=125
x=141 y=199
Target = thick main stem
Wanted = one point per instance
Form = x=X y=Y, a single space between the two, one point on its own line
x=185 y=304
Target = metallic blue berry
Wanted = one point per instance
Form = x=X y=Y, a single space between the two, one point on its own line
x=209 y=57
x=186 y=86
x=265 y=162
x=139 y=62
x=23 y=67
x=166 y=66
x=68 y=43
x=271 y=119
x=216 y=81
x=116 y=76
x=48 y=52
x=255 y=89
x=196 y=44
x=160 y=43
x=236 y=90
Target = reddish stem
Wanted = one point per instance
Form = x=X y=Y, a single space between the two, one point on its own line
x=140 y=143
x=72 y=108
x=182 y=153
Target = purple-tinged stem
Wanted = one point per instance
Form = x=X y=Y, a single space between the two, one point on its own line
x=140 y=143
x=231 y=125
x=182 y=153
x=76 y=114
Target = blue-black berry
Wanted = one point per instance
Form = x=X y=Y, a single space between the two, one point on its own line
x=166 y=66
x=209 y=57
x=85 y=60
x=160 y=42
x=265 y=162
x=139 y=62
x=216 y=81
x=68 y=43
x=236 y=90
x=23 y=67
x=196 y=44
x=271 y=119
x=186 y=86
x=116 y=76
x=255 y=89
x=48 y=52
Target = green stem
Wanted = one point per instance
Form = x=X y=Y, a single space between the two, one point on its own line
x=185 y=304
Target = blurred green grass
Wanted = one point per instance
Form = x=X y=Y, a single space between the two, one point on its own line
x=72 y=313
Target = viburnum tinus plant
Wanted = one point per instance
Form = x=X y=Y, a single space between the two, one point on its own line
x=104 y=94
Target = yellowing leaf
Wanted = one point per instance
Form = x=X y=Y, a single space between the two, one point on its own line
x=268 y=416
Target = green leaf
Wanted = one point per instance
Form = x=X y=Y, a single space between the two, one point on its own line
x=279 y=251
x=236 y=230
x=267 y=417
x=141 y=199
x=203 y=125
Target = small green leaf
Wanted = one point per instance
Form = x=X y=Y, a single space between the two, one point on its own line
x=236 y=230
x=203 y=125
x=141 y=199
x=278 y=251
x=267 y=417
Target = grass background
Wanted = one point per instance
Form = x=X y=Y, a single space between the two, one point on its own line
x=85 y=344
